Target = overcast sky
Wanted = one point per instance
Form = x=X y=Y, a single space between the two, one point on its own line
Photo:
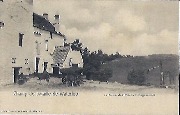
x=136 y=28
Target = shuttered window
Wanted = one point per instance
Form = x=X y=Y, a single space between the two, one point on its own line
x=21 y=39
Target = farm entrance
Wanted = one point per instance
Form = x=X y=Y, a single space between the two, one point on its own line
x=16 y=73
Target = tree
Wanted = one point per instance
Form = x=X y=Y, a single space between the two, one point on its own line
x=136 y=77
x=93 y=62
x=76 y=45
x=93 y=65
x=85 y=55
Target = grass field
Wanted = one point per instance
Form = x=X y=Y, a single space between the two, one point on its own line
x=121 y=67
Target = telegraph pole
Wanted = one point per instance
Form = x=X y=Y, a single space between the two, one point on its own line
x=161 y=73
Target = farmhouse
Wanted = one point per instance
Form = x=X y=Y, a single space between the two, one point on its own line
x=31 y=42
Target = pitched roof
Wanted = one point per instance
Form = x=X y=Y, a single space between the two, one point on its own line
x=41 y=23
x=60 y=53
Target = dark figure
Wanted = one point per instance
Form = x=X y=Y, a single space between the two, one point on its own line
x=44 y=76
x=64 y=80
x=78 y=80
x=21 y=79
x=70 y=80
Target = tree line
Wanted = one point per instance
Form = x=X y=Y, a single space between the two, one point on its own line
x=93 y=62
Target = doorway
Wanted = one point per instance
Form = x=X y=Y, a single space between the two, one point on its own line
x=16 y=73
x=55 y=70
x=45 y=65
x=37 y=64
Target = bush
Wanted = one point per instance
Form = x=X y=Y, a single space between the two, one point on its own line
x=104 y=74
x=71 y=71
x=100 y=75
x=136 y=77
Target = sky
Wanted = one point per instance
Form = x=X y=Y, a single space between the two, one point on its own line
x=128 y=27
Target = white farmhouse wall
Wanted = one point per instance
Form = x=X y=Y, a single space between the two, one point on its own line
x=75 y=57
x=17 y=17
x=45 y=55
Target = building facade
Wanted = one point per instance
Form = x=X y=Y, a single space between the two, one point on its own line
x=46 y=39
x=30 y=43
x=16 y=37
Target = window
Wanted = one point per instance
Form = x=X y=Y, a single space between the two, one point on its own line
x=13 y=60
x=37 y=33
x=20 y=39
x=26 y=61
x=37 y=47
x=56 y=17
x=1 y=24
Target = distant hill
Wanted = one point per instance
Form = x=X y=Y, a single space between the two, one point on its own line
x=122 y=66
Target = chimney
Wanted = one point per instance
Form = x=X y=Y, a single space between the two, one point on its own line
x=56 y=22
x=45 y=15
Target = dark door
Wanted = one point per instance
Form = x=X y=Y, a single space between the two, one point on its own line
x=55 y=70
x=74 y=65
x=45 y=65
x=16 y=73
x=37 y=64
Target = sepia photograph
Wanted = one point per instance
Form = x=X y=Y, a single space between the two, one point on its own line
x=89 y=57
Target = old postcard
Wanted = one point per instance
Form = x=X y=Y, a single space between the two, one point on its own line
x=89 y=57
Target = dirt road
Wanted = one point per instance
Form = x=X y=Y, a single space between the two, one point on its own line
x=92 y=97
